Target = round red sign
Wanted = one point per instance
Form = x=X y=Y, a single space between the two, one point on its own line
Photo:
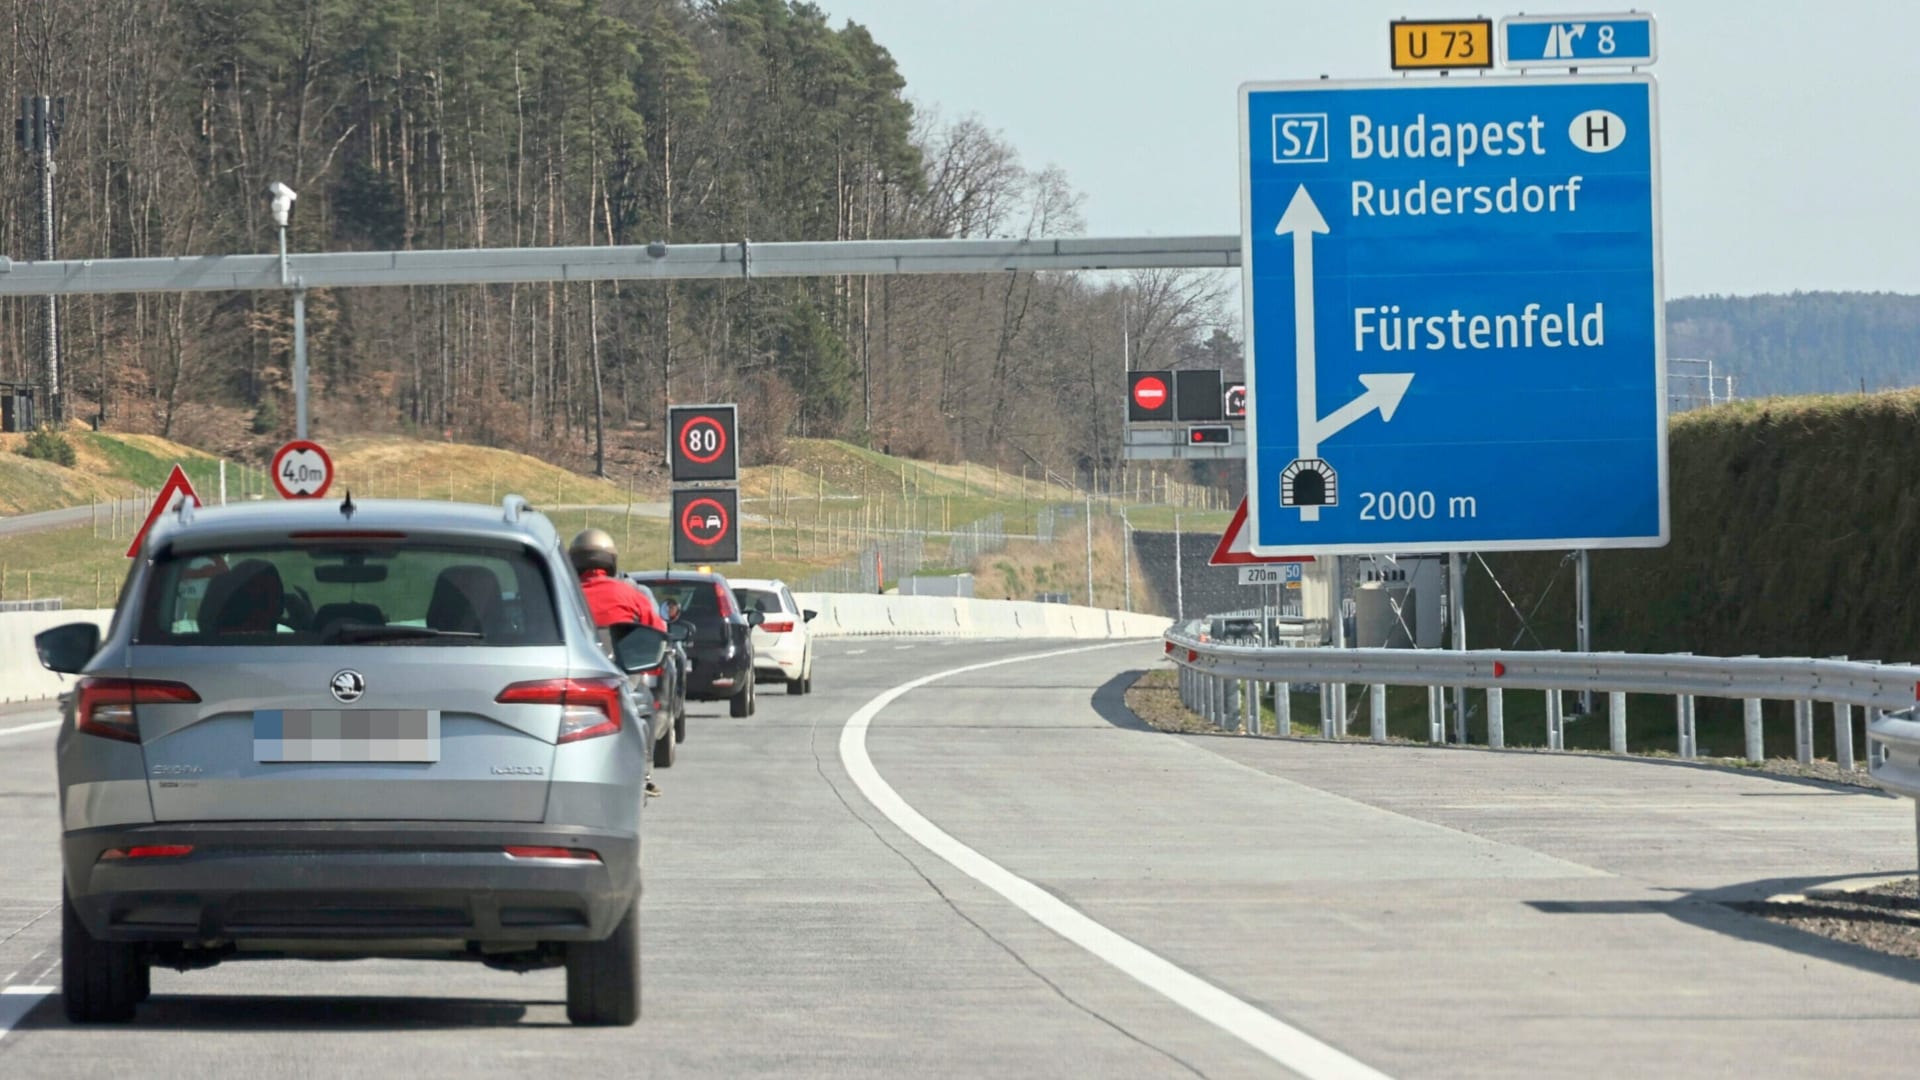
x=302 y=470
x=703 y=440
x=1150 y=393
x=704 y=522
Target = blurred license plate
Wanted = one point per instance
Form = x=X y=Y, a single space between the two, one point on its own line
x=346 y=735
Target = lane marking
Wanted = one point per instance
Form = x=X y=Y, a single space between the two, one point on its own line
x=16 y=1002
x=855 y=652
x=1288 y=1045
x=24 y=728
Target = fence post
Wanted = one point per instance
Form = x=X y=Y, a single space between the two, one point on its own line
x=1377 y=697
x=1756 y=738
x=1683 y=719
x=1617 y=721
x=1496 y=718
x=1843 y=736
x=1556 y=731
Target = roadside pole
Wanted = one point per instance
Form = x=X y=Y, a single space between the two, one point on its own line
x=1583 y=624
x=1179 y=583
x=1457 y=612
x=1089 y=548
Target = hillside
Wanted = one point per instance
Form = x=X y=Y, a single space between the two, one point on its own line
x=1796 y=531
x=1803 y=343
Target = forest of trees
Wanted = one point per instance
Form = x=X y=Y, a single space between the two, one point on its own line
x=1801 y=343
x=463 y=123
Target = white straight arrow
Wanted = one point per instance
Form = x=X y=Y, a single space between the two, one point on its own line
x=1303 y=219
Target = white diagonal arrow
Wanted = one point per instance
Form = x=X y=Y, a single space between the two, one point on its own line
x=1303 y=219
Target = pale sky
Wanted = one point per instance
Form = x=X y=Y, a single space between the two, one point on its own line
x=1790 y=130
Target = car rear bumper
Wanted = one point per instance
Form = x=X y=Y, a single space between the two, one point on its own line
x=343 y=881
x=718 y=679
x=783 y=659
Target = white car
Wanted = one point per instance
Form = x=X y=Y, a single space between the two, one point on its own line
x=781 y=644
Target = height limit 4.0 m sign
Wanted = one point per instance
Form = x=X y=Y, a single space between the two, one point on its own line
x=706 y=525
x=1453 y=315
x=703 y=442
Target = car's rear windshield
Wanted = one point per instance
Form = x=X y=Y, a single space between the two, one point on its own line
x=765 y=601
x=699 y=605
x=411 y=592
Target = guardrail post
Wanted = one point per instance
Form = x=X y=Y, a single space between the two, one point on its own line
x=1756 y=738
x=1283 y=708
x=1377 y=697
x=1803 y=732
x=1683 y=719
x=1496 y=718
x=1436 y=717
x=1326 y=712
x=1235 y=711
x=1843 y=736
x=1556 y=730
x=1617 y=721
x=1867 y=719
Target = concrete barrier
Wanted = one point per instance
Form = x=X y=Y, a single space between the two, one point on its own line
x=21 y=676
x=856 y=615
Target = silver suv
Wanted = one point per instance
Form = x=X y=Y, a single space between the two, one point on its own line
x=328 y=729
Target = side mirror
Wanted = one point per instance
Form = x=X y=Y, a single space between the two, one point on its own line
x=679 y=631
x=807 y=616
x=755 y=618
x=66 y=649
x=637 y=648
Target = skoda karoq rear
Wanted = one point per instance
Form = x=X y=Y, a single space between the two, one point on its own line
x=321 y=729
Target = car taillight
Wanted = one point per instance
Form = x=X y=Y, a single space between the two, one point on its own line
x=147 y=851
x=721 y=594
x=784 y=626
x=105 y=707
x=536 y=852
x=591 y=707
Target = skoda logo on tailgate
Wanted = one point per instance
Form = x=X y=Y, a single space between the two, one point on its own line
x=347 y=685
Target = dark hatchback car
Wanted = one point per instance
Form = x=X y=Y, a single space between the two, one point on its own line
x=721 y=646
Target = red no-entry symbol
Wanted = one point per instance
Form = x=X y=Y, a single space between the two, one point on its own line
x=704 y=521
x=1150 y=393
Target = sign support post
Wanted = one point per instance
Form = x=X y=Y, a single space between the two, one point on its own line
x=1457 y=612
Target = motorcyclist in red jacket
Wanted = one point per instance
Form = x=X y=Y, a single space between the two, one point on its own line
x=611 y=600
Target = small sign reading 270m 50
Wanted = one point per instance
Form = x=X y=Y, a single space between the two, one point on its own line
x=1453 y=315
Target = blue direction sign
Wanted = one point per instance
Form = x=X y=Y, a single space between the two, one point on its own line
x=1453 y=315
x=1577 y=40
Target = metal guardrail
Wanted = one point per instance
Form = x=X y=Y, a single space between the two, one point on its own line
x=1223 y=681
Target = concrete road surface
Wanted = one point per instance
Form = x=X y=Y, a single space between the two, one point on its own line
x=1000 y=874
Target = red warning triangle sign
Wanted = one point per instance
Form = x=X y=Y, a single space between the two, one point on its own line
x=1235 y=547
x=177 y=490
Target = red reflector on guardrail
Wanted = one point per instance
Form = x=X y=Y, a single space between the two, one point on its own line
x=1499 y=669
x=1192 y=656
x=1169 y=647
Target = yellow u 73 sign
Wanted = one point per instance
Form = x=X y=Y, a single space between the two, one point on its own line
x=1442 y=43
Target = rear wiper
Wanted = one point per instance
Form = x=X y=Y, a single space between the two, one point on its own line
x=365 y=634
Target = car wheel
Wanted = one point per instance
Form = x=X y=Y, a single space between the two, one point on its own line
x=741 y=703
x=101 y=980
x=680 y=725
x=603 y=977
x=796 y=685
x=665 y=749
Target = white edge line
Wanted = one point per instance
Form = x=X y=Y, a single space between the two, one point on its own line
x=24 y=728
x=1289 y=1046
x=16 y=1002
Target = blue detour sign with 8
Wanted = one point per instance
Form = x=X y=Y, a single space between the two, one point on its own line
x=1453 y=315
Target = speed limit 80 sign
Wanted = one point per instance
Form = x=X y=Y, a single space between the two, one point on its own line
x=703 y=442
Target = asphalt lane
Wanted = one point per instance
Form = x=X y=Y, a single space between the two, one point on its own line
x=1428 y=912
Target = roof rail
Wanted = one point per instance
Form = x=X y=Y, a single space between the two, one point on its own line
x=512 y=507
